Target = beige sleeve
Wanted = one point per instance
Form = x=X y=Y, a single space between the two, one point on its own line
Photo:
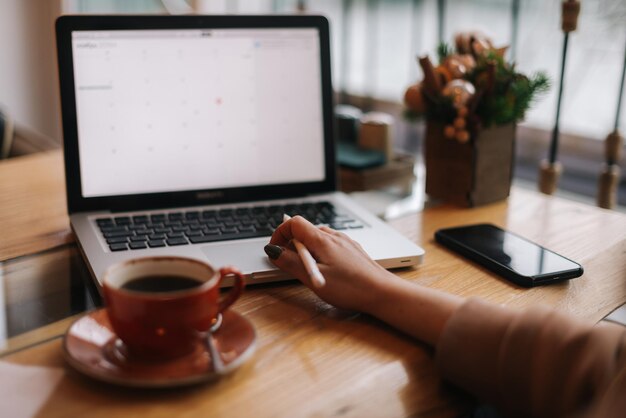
x=532 y=363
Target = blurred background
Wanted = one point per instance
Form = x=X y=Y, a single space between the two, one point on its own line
x=374 y=46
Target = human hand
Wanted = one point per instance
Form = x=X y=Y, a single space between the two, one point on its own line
x=353 y=279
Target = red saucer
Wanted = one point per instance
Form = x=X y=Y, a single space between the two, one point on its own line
x=92 y=348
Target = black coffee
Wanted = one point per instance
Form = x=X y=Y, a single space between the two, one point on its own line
x=161 y=284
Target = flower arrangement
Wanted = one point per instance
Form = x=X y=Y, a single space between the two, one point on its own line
x=472 y=88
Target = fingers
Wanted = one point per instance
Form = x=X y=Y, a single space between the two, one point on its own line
x=300 y=229
x=288 y=261
x=332 y=231
x=343 y=237
x=323 y=243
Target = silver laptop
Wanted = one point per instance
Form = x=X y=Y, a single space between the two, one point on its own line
x=192 y=135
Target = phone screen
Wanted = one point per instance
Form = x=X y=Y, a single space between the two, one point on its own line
x=524 y=257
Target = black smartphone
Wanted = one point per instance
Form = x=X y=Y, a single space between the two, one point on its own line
x=515 y=258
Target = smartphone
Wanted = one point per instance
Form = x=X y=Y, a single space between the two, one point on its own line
x=515 y=258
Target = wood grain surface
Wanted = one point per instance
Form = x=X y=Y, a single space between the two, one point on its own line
x=314 y=360
x=33 y=212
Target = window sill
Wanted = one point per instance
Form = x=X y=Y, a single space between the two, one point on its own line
x=581 y=157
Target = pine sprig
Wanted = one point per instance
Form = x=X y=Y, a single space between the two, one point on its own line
x=512 y=93
x=443 y=51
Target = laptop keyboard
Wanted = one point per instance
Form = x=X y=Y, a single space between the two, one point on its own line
x=123 y=233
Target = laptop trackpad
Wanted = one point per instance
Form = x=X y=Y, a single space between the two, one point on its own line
x=248 y=256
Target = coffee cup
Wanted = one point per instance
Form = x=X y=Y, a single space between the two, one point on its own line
x=163 y=307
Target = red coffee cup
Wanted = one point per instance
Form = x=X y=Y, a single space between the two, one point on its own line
x=163 y=307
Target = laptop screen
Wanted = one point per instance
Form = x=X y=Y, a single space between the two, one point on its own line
x=172 y=110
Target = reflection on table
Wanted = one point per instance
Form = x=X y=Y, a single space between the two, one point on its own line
x=40 y=289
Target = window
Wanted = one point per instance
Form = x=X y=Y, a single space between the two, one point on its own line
x=375 y=42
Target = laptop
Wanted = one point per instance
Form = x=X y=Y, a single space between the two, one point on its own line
x=192 y=135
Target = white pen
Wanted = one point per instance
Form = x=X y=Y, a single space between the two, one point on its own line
x=307 y=259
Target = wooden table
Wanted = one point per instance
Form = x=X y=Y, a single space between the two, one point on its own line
x=315 y=360
x=33 y=210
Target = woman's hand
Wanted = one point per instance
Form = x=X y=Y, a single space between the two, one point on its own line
x=353 y=279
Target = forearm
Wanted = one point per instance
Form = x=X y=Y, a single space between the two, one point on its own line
x=416 y=310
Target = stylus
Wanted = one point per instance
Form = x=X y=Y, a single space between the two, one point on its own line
x=307 y=259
